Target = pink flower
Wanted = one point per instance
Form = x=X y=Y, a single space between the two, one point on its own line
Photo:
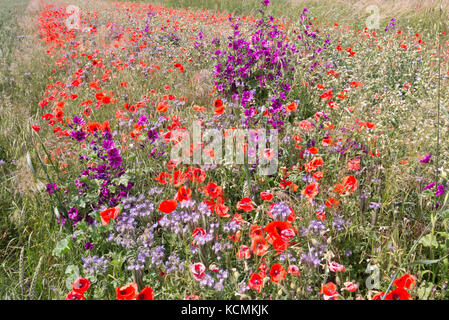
x=350 y=286
x=197 y=270
x=293 y=270
x=334 y=267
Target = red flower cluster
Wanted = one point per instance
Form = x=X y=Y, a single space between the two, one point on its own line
x=400 y=293
x=79 y=287
x=130 y=292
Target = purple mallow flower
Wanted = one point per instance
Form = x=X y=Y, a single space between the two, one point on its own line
x=51 y=188
x=429 y=186
x=440 y=190
x=426 y=159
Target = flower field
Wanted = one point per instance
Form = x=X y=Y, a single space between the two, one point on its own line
x=252 y=150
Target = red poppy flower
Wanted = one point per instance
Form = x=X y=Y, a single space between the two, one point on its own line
x=259 y=246
x=198 y=175
x=350 y=184
x=255 y=231
x=127 y=292
x=320 y=215
x=277 y=230
x=279 y=234
x=329 y=290
x=317 y=162
x=220 y=110
x=198 y=270
x=93 y=127
x=73 y=295
x=280 y=245
x=277 y=272
x=292 y=216
x=99 y=95
x=263 y=270
x=162 y=108
x=81 y=285
x=311 y=190
x=338 y=188
x=161 y=178
x=168 y=206
x=184 y=194
x=212 y=190
x=318 y=175
x=111 y=213
x=36 y=127
x=244 y=252
x=220 y=209
x=192 y=297
x=398 y=294
x=406 y=281
x=178 y=178
x=294 y=270
x=378 y=296
x=235 y=237
x=266 y=196
x=218 y=103
x=350 y=286
x=146 y=294
x=198 y=232
x=291 y=107
x=370 y=125
x=354 y=164
x=332 y=202
x=256 y=282
x=106 y=100
x=334 y=267
x=246 y=204
x=237 y=217
x=87 y=112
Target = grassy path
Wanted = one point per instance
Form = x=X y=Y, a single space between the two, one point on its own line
x=24 y=72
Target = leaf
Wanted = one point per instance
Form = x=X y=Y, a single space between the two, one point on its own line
x=62 y=247
x=445 y=214
x=30 y=164
x=424 y=290
x=57 y=214
x=429 y=241
x=72 y=269
x=72 y=272
x=444 y=234
x=123 y=180
x=425 y=262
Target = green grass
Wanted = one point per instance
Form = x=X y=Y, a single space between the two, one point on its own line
x=25 y=219
x=346 y=12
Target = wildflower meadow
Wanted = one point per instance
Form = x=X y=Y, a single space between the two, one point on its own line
x=224 y=150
